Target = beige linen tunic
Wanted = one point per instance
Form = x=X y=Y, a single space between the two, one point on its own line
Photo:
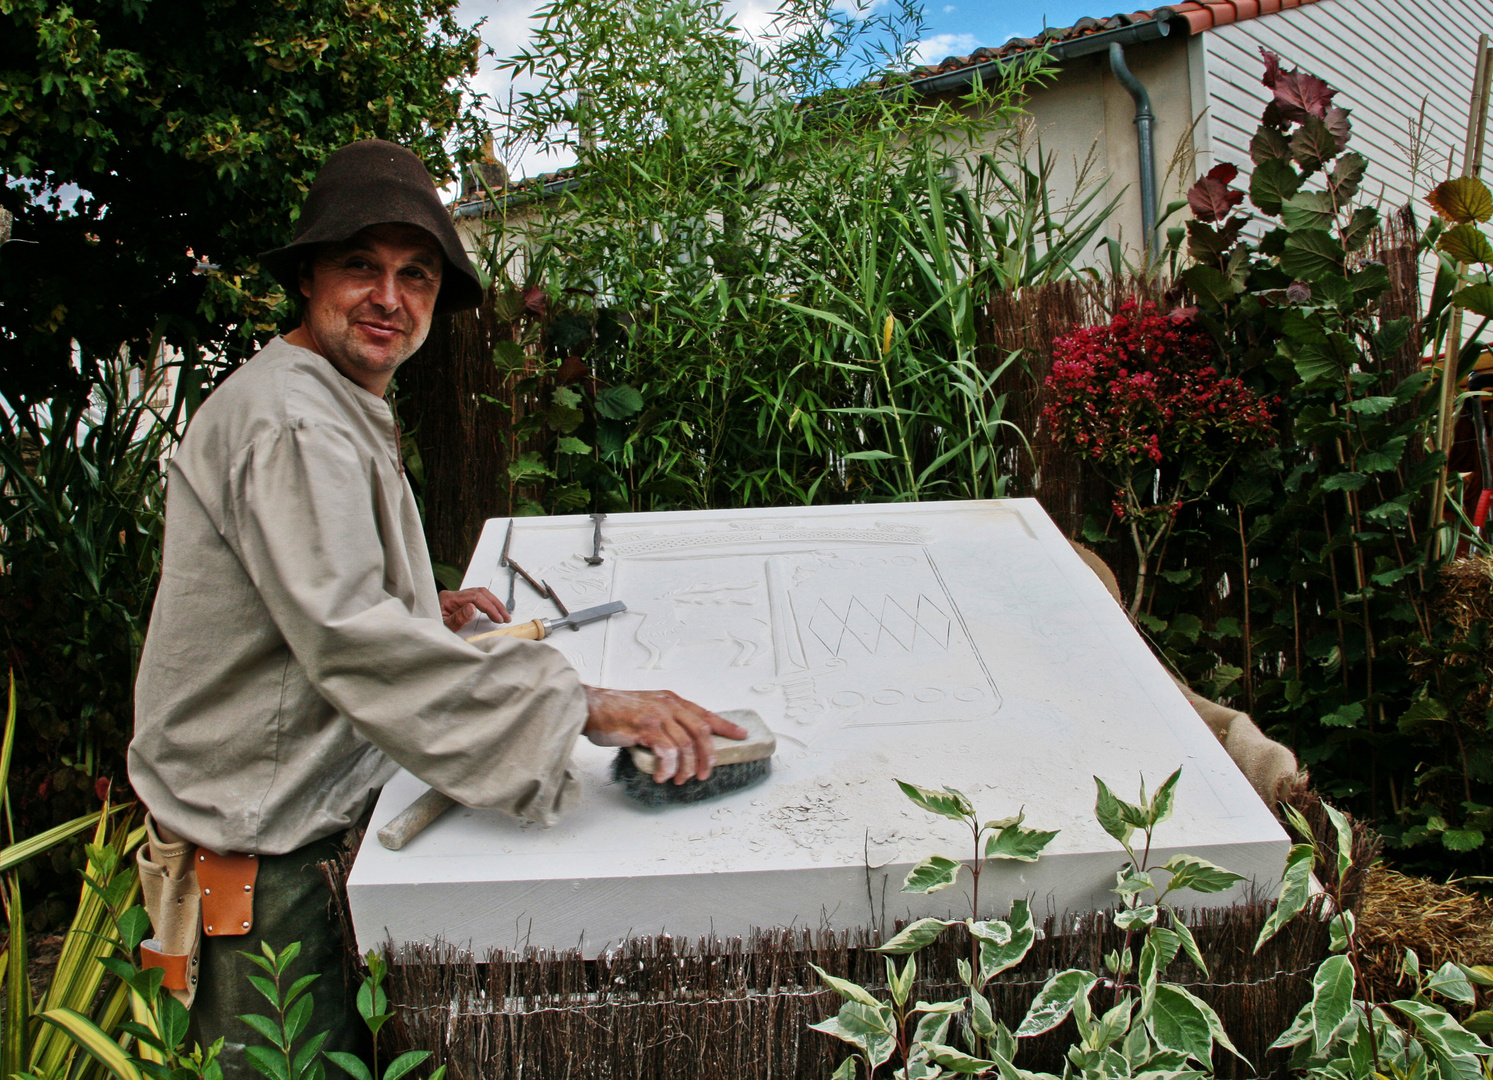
x=296 y=651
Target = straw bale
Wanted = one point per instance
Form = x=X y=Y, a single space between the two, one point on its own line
x=1440 y=921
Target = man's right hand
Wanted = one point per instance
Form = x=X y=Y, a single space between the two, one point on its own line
x=679 y=732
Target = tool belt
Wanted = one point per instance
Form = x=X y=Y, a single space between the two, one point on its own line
x=190 y=891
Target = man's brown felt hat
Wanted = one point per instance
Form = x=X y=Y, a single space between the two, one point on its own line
x=376 y=183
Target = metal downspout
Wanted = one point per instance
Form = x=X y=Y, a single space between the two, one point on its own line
x=1145 y=118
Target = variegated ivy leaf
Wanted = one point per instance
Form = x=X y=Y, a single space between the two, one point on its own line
x=1055 y=1001
x=949 y=802
x=1344 y=833
x=1163 y=801
x=957 y=1060
x=847 y=989
x=932 y=874
x=1006 y=822
x=940 y=1008
x=1332 y=999
x=1188 y=942
x=1299 y=1031
x=1341 y=928
x=915 y=935
x=1199 y=875
x=1014 y=842
x=981 y=1018
x=899 y=984
x=847 y=1069
x=1295 y=890
x=1116 y=817
x=995 y=931
x=1136 y=918
x=1177 y=1024
x=861 y=1020
x=1441 y=1032
x=1129 y=881
x=996 y=958
x=1449 y=982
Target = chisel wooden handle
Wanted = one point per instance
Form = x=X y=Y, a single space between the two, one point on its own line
x=412 y=820
x=530 y=631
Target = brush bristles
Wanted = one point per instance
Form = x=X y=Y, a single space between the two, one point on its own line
x=640 y=787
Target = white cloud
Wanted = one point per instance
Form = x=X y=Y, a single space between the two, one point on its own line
x=932 y=50
x=949 y=9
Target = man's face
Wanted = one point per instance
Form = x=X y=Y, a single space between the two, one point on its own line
x=369 y=301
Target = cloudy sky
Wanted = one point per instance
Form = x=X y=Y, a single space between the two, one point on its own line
x=954 y=29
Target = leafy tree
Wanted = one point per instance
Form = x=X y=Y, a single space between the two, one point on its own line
x=187 y=126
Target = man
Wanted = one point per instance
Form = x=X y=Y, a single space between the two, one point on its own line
x=298 y=651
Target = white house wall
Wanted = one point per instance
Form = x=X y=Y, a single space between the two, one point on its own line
x=1384 y=56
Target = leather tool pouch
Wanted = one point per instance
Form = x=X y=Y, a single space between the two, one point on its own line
x=168 y=884
x=227 y=892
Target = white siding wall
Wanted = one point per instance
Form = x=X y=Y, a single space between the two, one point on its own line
x=1383 y=56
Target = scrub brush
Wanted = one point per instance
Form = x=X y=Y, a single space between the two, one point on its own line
x=739 y=763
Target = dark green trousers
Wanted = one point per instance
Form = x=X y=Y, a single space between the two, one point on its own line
x=292 y=902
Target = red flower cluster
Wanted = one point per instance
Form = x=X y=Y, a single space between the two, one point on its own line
x=1145 y=389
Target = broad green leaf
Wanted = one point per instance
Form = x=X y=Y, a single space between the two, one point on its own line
x=848 y=1069
x=569 y=444
x=847 y=989
x=1309 y=210
x=1176 y=1023
x=1015 y=842
x=995 y=958
x=1345 y=481
x=1346 y=176
x=1360 y=227
x=1272 y=183
x=350 y=1064
x=1312 y=145
x=1372 y=406
x=1215 y=1025
x=1467 y=244
x=94 y=1042
x=1136 y=918
x=1477 y=299
x=914 y=936
x=1295 y=890
x=406 y=1061
x=1211 y=286
x=1299 y=1031
x=1310 y=253
x=1055 y=1001
x=267 y=1028
x=1480 y=1023
x=618 y=402
x=948 y=802
x=932 y=874
x=1461 y=200
x=1199 y=875
x=1332 y=999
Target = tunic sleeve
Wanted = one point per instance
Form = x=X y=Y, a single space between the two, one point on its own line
x=318 y=530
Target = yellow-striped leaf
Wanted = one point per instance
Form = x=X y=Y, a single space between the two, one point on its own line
x=94 y=1042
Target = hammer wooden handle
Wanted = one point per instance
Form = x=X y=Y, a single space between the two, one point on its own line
x=412 y=820
x=530 y=631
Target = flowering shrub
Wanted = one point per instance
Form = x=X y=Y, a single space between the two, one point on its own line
x=1144 y=396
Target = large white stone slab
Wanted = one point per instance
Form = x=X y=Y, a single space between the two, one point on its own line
x=940 y=643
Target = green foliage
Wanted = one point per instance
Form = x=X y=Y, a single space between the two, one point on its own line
x=778 y=273
x=191 y=128
x=1317 y=554
x=1130 y=1022
x=373 y=1007
x=81 y=501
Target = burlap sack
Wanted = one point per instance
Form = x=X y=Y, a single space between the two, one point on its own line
x=1266 y=764
x=168 y=886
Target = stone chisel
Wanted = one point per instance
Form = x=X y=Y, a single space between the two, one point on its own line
x=418 y=815
x=539 y=629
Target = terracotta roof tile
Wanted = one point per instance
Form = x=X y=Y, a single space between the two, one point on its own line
x=1195 y=15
